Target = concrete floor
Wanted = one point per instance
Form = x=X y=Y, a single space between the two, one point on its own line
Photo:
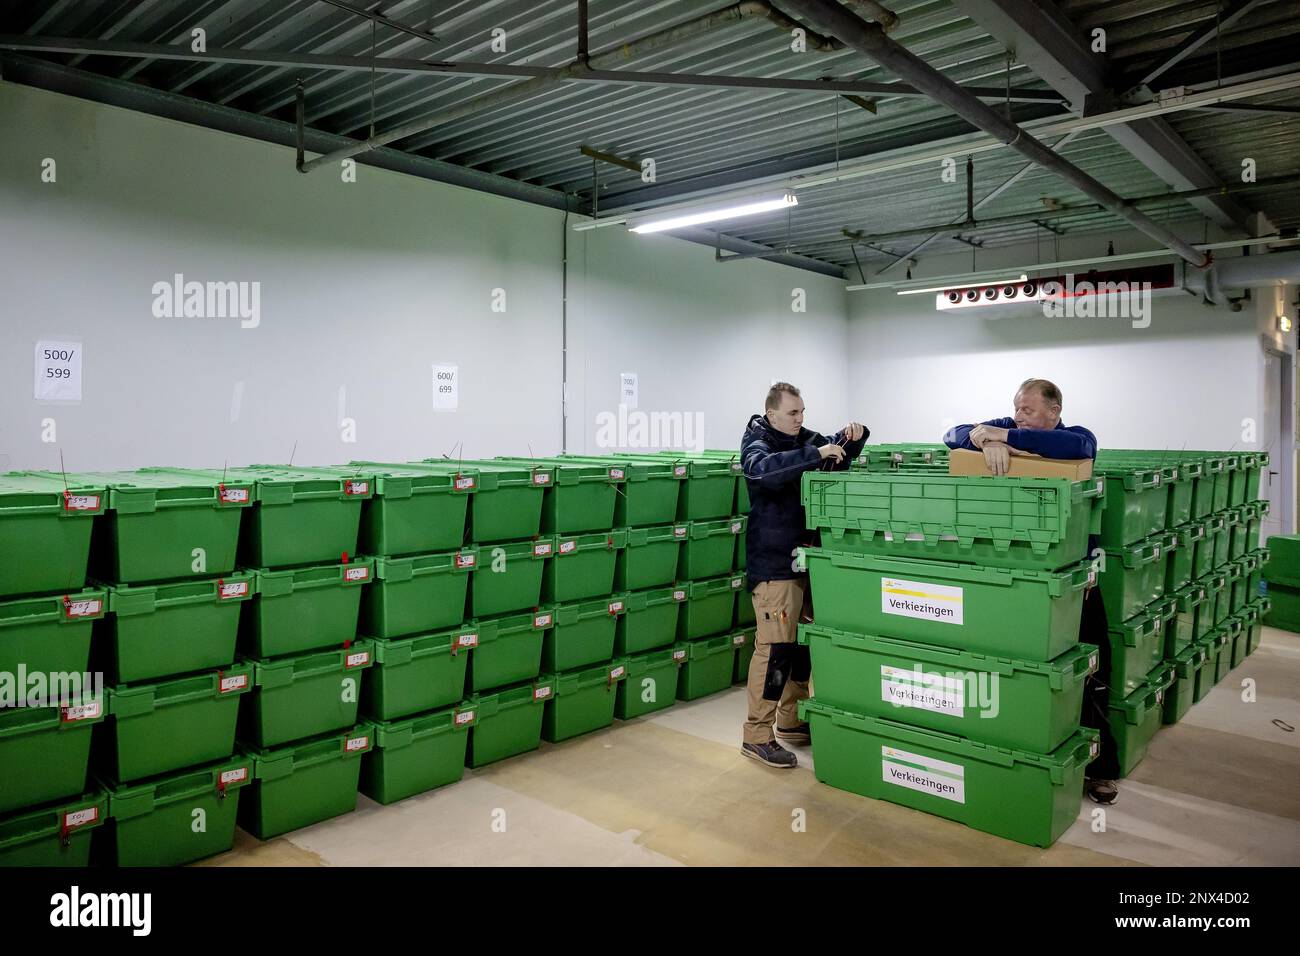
x=1217 y=789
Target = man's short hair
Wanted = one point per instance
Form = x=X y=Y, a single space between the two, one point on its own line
x=1051 y=394
x=775 y=392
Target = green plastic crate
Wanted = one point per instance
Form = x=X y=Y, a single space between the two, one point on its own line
x=580 y=497
x=1244 y=620
x=583 y=634
x=298 y=516
x=1239 y=532
x=416 y=754
x=48 y=522
x=1237 y=480
x=1137 y=647
x=508 y=722
x=1217 y=540
x=304 y=783
x=417 y=594
x=1256 y=573
x=163 y=726
x=1260 y=607
x=509 y=649
x=414 y=510
x=583 y=701
x=1136 y=503
x=1253 y=465
x=416 y=674
x=506 y=505
x=651 y=682
x=743 y=640
x=156 y=631
x=710 y=662
x=1214 y=585
x=583 y=566
x=897 y=455
x=304 y=609
x=303 y=696
x=650 y=491
x=1191 y=622
x=709 y=549
x=1133 y=576
x=174 y=819
x=1033 y=523
x=1283 y=565
x=1008 y=703
x=740 y=503
x=650 y=558
x=745 y=616
x=1223 y=543
x=1183 y=542
x=1283 y=608
x=54 y=740
x=1207 y=676
x=1182 y=690
x=1253 y=513
x=710 y=607
x=1223 y=636
x=951 y=605
x=649 y=621
x=1135 y=719
x=1212 y=473
x=510 y=578
x=1235 y=573
x=1229 y=656
x=48 y=635
x=57 y=834
x=1026 y=797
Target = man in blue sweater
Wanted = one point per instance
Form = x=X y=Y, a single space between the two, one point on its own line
x=1037 y=429
x=775 y=452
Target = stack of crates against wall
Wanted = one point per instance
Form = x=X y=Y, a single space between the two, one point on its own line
x=1281 y=576
x=946 y=658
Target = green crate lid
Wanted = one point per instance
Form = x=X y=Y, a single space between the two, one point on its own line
x=536 y=691
x=277 y=484
x=126 y=600
x=273 y=763
x=635 y=467
x=1150 y=694
x=147 y=489
x=712 y=586
x=37 y=492
x=277 y=582
x=638 y=664
x=133 y=700
x=87 y=604
x=399 y=480
x=707 y=647
x=1070 y=578
x=496 y=473
x=653 y=597
x=395 y=734
x=57 y=819
x=419 y=565
x=613 y=605
x=598 y=541
x=658 y=534
x=539 y=619
x=17 y=721
x=283 y=671
x=571 y=472
x=137 y=799
x=607 y=674
x=447 y=642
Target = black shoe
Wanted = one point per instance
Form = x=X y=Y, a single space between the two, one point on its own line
x=798 y=734
x=1100 y=791
x=773 y=754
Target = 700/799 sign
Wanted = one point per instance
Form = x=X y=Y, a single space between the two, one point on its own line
x=58 y=371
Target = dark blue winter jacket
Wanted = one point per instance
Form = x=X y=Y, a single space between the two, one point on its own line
x=1059 y=442
x=773 y=465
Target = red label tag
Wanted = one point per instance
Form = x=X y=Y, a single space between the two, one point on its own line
x=233 y=496
x=679 y=595
x=542 y=620
x=615 y=607
x=233 y=776
x=462 y=718
x=353 y=487
x=541 y=477
x=229 y=685
x=679 y=655
x=617 y=474
x=467 y=640
x=465 y=483
x=356 y=574
x=90 y=711
x=355 y=744
x=89 y=608
x=567 y=547
x=542 y=550
x=234 y=589
x=80 y=502
x=466 y=560
x=679 y=531
x=541 y=693
x=679 y=471
x=359 y=659
x=79 y=818
x=617 y=673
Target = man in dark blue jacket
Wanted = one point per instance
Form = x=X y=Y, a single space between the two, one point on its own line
x=775 y=452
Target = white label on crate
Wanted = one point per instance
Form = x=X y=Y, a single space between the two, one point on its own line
x=617 y=673
x=229 y=685
x=618 y=474
x=679 y=655
x=736 y=526
x=462 y=718
x=1156 y=555
x=541 y=693
x=81 y=502
x=351 y=487
x=679 y=595
x=615 y=607
x=736 y=466
x=232 y=496
x=1155 y=625
x=737 y=582
x=88 y=711
x=465 y=483
x=354 y=744
x=446 y=387
x=915 y=688
x=680 y=531
x=467 y=640
x=58 y=371
x=359 y=659
x=1094 y=750
x=466 y=560
x=567 y=547
x=679 y=471
x=940 y=603
x=925 y=774
x=542 y=620
x=1093 y=663
x=232 y=590
x=356 y=574
x=541 y=477
x=79 y=818
x=542 y=550
x=91 y=608
x=234 y=776
x=738 y=640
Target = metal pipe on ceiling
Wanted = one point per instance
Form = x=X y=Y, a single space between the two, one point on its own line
x=870 y=40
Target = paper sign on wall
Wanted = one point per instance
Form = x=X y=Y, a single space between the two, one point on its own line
x=446 y=387
x=58 y=371
x=629 y=389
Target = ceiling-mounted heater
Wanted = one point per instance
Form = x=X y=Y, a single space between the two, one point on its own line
x=1057 y=288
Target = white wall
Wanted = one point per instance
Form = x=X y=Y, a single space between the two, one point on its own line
x=363 y=287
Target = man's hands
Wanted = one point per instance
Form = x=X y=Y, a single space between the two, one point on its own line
x=853 y=431
x=997 y=456
x=833 y=451
x=987 y=433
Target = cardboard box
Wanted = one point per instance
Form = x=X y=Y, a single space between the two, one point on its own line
x=963 y=462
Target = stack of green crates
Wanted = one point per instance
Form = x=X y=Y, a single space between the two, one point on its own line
x=960 y=599
x=1281 y=574
x=1209 y=541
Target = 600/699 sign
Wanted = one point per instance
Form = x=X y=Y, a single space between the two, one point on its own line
x=58 y=371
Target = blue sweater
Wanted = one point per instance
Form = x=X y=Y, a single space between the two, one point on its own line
x=1059 y=442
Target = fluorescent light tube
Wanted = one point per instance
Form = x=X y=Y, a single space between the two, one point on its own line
x=714 y=215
